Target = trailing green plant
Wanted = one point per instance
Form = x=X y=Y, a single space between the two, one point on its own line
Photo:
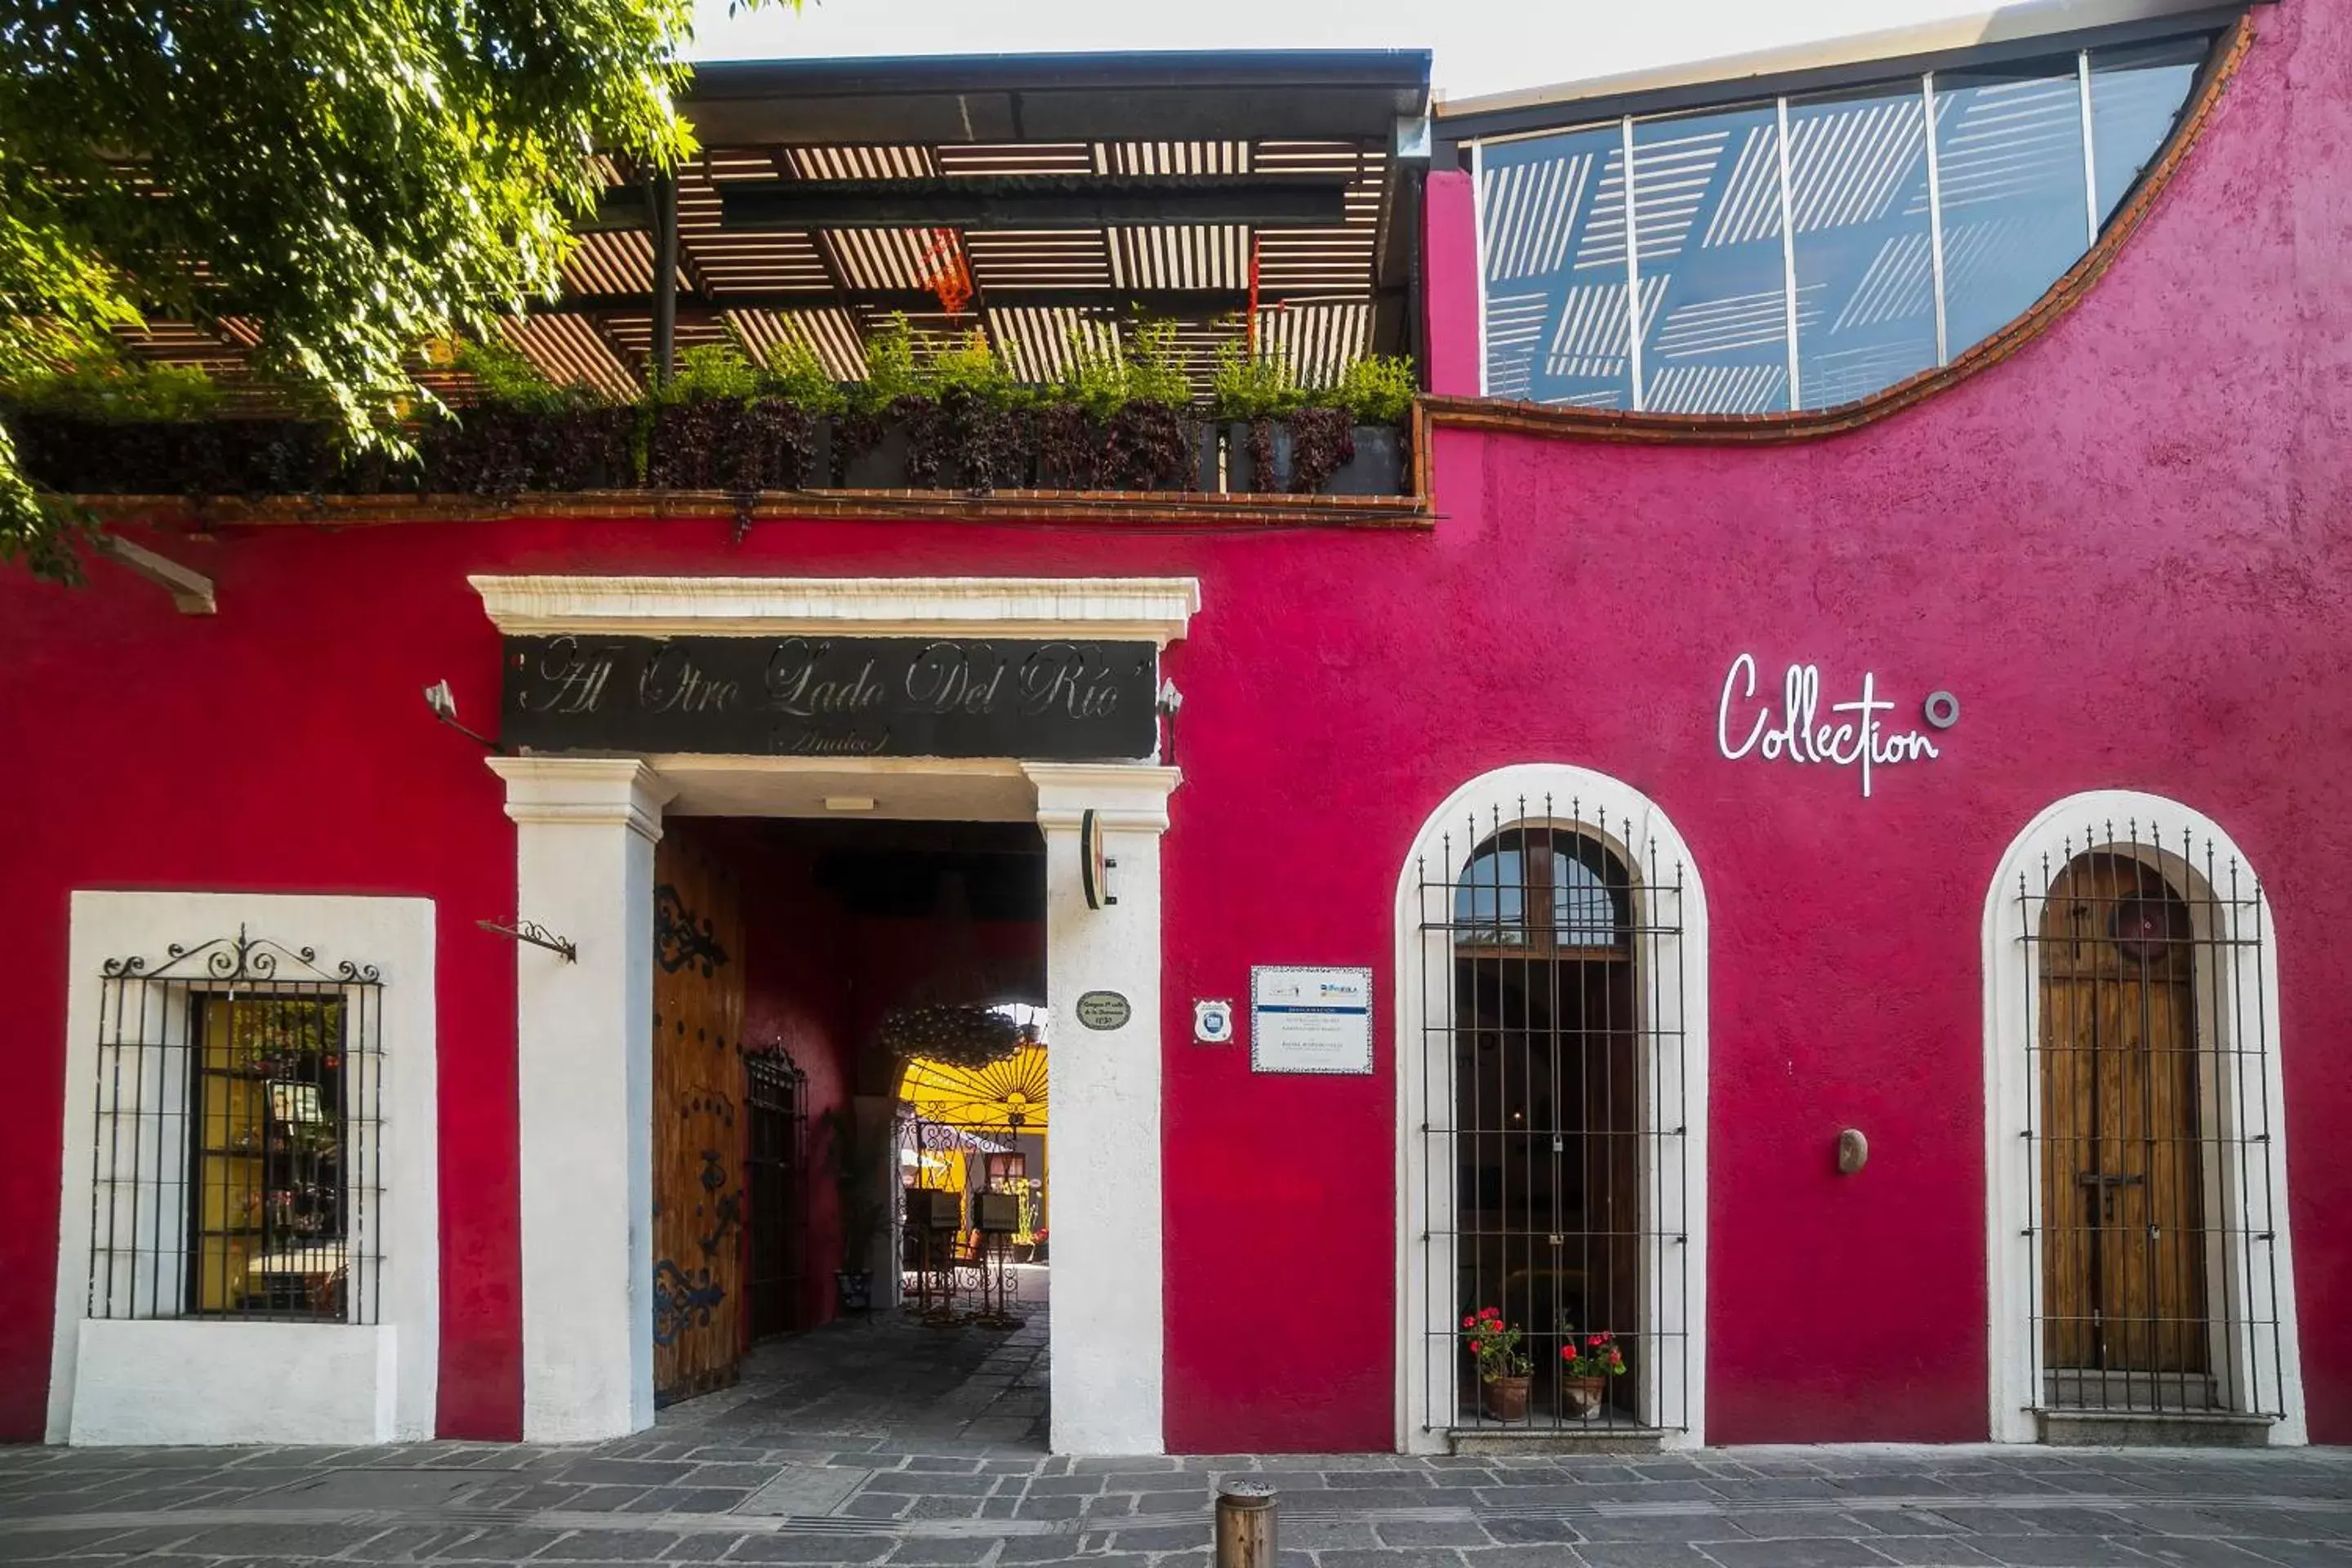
x=1155 y=366
x=1094 y=377
x=1252 y=386
x=506 y=378
x=969 y=368
x=894 y=370
x=1378 y=389
x=711 y=373
x=965 y=415
x=797 y=376
x=99 y=383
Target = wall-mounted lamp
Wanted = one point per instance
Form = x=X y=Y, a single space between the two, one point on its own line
x=1170 y=699
x=444 y=705
x=1852 y=1150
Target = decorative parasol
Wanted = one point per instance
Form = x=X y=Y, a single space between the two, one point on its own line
x=1009 y=1094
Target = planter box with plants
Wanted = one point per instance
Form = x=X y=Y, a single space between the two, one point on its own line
x=941 y=415
x=1345 y=439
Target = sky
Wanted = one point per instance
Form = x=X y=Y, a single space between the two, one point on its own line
x=1481 y=46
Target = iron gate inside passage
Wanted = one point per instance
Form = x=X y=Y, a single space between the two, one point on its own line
x=1554 y=1138
x=2154 y=1287
x=777 y=1165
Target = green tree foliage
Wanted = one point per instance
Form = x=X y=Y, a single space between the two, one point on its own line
x=354 y=178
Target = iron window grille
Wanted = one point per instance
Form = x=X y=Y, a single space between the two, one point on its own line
x=237 y=1156
x=1554 y=1144
x=2153 y=1286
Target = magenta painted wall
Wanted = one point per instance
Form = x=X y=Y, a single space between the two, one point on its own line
x=2124 y=549
x=796 y=998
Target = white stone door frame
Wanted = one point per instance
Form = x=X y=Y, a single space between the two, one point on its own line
x=585 y=829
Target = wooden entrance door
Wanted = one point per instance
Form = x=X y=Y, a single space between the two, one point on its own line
x=698 y=1145
x=2123 y=1188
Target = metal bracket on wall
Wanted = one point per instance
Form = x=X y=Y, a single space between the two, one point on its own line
x=537 y=935
x=191 y=591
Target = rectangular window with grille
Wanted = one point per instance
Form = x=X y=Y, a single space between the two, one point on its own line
x=238 y=1140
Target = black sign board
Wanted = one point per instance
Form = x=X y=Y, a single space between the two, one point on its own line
x=847 y=697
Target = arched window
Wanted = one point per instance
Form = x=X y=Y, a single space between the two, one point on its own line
x=1807 y=250
x=2140 y=1261
x=1541 y=888
x=1545 y=1060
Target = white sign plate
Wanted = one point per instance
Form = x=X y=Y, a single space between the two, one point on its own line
x=1311 y=1020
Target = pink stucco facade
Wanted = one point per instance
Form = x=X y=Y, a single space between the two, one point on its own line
x=2124 y=550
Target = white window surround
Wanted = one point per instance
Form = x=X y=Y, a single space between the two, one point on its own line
x=2010 y=996
x=1606 y=808
x=170 y=1379
x=1156 y=609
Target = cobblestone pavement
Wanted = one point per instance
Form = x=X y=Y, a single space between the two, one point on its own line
x=834 y=1450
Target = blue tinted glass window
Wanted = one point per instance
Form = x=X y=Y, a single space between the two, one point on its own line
x=1553 y=230
x=1865 y=265
x=2009 y=176
x=1583 y=910
x=1707 y=223
x=1908 y=243
x=1490 y=901
x=2136 y=96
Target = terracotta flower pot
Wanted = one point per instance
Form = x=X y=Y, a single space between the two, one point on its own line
x=1506 y=1398
x=1581 y=1396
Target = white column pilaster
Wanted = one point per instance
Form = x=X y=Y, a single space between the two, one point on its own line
x=1108 y=1344
x=585 y=834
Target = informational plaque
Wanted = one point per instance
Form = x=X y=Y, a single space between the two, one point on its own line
x=1104 y=1010
x=833 y=696
x=1311 y=1020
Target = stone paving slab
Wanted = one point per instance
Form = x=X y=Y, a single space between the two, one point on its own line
x=98 y=1508
x=891 y=1444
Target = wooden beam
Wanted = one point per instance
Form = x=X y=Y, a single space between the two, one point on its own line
x=1028 y=202
x=1184 y=304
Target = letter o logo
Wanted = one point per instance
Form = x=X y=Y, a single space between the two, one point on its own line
x=1943 y=710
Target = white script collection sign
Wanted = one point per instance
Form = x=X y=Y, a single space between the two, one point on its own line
x=1311 y=1020
x=1796 y=733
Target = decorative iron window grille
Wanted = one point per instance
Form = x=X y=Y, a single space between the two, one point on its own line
x=1554 y=1146
x=237 y=1156
x=2153 y=1286
x=778 y=1169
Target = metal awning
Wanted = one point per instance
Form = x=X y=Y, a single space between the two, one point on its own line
x=1073 y=193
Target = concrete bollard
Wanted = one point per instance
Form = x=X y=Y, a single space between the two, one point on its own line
x=1246 y=1518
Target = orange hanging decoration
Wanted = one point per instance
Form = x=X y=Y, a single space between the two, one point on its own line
x=944 y=272
x=1249 y=338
